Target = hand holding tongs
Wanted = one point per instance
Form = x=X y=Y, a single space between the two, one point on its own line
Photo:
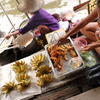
x=58 y=44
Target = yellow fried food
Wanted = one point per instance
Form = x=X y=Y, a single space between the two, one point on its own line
x=73 y=53
x=43 y=79
x=59 y=52
x=36 y=60
x=7 y=87
x=21 y=77
x=23 y=84
x=65 y=57
x=19 y=66
x=43 y=69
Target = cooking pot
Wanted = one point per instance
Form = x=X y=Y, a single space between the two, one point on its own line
x=23 y=23
x=33 y=46
x=7 y=56
x=27 y=43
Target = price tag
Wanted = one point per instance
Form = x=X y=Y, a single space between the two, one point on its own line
x=53 y=37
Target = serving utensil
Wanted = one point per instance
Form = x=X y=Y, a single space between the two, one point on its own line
x=58 y=44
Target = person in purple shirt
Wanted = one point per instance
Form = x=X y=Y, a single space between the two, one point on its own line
x=41 y=19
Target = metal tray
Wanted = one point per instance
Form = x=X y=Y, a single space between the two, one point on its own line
x=66 y=70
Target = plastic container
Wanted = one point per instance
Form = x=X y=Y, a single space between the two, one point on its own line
x=88 y=58
x=79 y=42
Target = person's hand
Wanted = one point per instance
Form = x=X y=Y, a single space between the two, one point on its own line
x=8 y=36
x=12 y=34
x=61 y=39
x=88 y=47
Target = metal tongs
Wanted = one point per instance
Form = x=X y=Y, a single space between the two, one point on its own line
x=58 y=44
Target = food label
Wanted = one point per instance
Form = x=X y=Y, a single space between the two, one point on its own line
x=53 y=37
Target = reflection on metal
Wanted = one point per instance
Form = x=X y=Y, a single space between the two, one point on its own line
x=4 y=38
x=7 y=17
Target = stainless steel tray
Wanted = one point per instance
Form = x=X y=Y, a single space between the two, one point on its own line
x=66 y=70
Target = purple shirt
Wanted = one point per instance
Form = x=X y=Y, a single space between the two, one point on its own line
x=40 y=17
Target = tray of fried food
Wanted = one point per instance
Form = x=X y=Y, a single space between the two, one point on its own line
x=60 y=55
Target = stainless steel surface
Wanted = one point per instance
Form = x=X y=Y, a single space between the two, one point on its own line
x=65 y=68
x=2 y=42
x=4 y=38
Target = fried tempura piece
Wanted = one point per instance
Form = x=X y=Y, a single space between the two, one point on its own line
x=57 y=61
x=65 y=57
x=58 y=53
x=73 y=53
x=70 y=47
x=50 y=47
x=53 y=58
x=59 y=67
x=62 y=46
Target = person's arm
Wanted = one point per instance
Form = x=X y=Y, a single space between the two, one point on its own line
x=96 y=44
x=12 y=34
x=32 y=23
x=92 y=16
x=91 y=46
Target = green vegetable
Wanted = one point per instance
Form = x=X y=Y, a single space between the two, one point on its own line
x=88 y=58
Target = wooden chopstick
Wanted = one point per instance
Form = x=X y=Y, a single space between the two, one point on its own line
x=9 y=45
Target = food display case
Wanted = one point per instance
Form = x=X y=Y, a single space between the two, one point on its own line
x=68 y=58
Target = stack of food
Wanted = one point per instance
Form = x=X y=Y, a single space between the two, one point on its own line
x=41 y=70
x=60 y=57
x=22 y=78
x=59 y=53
